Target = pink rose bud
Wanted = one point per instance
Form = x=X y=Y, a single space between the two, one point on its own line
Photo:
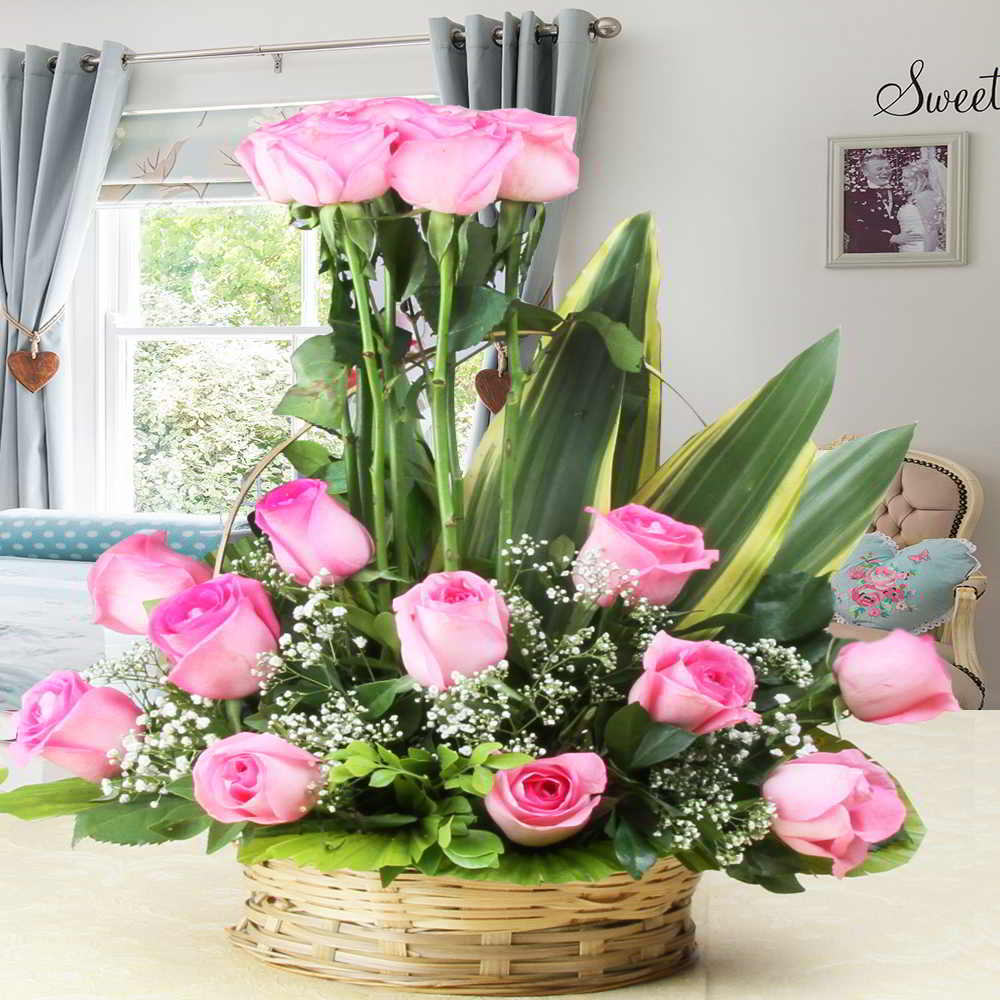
x=318 y=157
x=451 y=623
x=549 y=800
x=457 y=173
x=212 y=635
x=834 y=805
x=546 y=168
x=138 y=569
x=899 y=678
x=256 y=777
x=653 y=553
x=73 y=725
x=698 y=686
x=309 y=531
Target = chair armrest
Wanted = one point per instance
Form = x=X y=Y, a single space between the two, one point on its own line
x=963 y=635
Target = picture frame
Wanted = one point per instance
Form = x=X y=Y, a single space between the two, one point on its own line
x=898 y=200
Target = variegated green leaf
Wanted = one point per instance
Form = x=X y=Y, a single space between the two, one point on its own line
x=741 y=478
x=844 y=487
x=580 y=445
x=622 y=280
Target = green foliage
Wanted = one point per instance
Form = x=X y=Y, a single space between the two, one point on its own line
x=636 y=741
x=314 y=396
x=786 y=607
x=54 y=798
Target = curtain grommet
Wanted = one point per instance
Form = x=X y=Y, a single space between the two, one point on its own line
x=89 y=64
x=52 y=63
x=606 y=27
x=458 y=38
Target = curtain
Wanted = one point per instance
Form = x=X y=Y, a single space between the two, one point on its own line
x=58 y=117
x=526 y=70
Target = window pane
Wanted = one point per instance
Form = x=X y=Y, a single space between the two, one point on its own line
x=219 y=265
x=202 y=418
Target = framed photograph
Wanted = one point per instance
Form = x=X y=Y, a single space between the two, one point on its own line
x=897 y=200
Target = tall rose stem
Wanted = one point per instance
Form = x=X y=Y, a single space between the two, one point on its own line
x=443 y=415
x=511 y=411
x=373 y=377
x=397 y=484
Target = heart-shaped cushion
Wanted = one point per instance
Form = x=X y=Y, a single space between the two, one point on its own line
x=885 y=587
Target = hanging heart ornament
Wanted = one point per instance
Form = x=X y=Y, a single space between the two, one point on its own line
x=33 y=372
x=493 y=388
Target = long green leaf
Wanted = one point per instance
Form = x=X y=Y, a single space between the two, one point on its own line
x=571 y=415
x=622 y=280
x=54 y=798
x=741 y=478
x=844 y=487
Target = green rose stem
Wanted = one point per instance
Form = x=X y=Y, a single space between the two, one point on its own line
x=442 y=414
x=373 y=376
x=350 y=443
x=512 y=408
x=397 y=484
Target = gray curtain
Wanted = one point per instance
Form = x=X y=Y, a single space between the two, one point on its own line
x=58 y=117
x=553 y=76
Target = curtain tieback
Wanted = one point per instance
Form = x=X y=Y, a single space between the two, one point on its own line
x=34 y=336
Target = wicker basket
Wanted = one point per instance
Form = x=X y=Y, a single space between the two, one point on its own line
x=461 y=937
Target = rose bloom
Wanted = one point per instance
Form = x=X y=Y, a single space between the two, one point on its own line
x=698 y=686
x=309 y=531
x=899 y=678
x=73 y=725
x=459 y=172
x=318 y=157
x=138 y=569
x=834 y=805
x=883 y=577
x=865 y=598
x=212 y=635
x=546 y=168
x=658 y=551
x=257 y=778
x=451 y=623
x=548 y=800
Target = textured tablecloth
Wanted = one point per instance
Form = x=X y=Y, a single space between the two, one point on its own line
x=114 y=923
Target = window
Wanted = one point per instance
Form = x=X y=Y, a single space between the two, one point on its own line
x=206 y=306
x=185 y=316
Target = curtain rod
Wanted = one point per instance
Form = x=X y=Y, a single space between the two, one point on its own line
x=601 y=27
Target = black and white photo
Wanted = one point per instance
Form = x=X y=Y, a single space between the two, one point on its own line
x=897 y=200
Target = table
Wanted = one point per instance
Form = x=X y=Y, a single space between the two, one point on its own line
x=118 y=923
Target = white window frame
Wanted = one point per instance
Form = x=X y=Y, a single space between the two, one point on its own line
x=105 y=320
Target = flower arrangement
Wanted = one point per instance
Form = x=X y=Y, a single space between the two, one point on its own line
x=567 y=662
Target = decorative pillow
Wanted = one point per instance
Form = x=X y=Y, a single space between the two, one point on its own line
x=58 y=534
x=882 y=586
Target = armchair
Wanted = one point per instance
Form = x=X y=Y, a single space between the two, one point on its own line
x=934 y=497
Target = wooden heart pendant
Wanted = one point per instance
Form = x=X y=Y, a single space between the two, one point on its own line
x=33 y=373
x=493 y=388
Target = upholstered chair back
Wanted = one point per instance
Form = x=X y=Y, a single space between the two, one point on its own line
x=931 y=497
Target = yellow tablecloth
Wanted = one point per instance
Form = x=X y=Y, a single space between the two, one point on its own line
x=116 y=923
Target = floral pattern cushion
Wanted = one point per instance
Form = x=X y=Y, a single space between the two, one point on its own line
x=882 y=586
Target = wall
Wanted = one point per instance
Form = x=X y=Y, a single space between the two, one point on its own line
x=715 y=116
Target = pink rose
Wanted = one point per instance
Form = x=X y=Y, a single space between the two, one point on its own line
x=883 y=577
x=865 y=598
x=256 y=777
x=699 y=686
x=212 y=635
x=310 y=531
x=414 y=119
x=857 y=573
x=139 y=568
x=899 y=678
x=318 y=157
x=834 y=805
x=546 y=168
x=659 y=552
x=459 y=172
x=547 y=800
x=73 y=725
x=451 y=623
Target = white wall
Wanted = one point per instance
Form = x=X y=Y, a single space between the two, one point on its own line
x=715 y=116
